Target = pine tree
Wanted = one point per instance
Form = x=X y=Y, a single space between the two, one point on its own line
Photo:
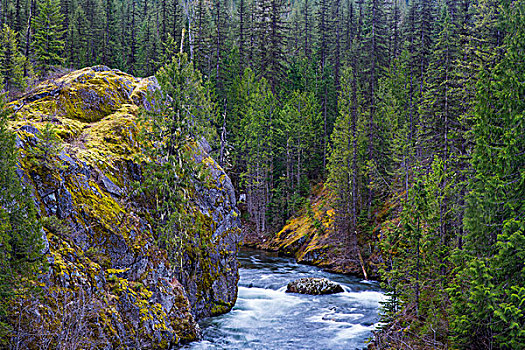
x=270 y=36
x=219 y=42
x=394 y=104
x=77 y=46
x=488 y=290
x=182 y=115
x=243 y=31
x=20 y=231
x=297 y=138
x=11 y=60
x=110 y=34
x=149 y=47
x=48 y=44
x=256 y=145
x=375 y=43
x=345 y=177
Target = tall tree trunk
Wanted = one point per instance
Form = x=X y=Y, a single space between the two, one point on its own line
x=32 y=10
x=133 y=38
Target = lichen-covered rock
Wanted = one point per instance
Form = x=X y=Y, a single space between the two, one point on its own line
x=314 y=286
x=102 y=253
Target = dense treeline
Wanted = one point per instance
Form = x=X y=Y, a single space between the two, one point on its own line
x=416 y=104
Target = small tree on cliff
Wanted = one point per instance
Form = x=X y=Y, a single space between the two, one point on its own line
x=179 y=115
x=20 y=231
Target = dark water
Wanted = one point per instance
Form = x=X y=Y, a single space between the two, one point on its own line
x=265 y=317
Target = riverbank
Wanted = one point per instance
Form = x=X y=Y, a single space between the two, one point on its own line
x=310 y=237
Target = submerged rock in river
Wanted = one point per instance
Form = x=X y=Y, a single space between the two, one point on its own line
x=315 y=286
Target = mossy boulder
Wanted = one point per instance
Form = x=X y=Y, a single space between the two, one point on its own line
x=102 y=252
x=314 y=286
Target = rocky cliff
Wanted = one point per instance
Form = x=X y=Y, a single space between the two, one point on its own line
x=108 y=285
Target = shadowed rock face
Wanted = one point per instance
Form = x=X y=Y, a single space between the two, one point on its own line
x=103 y=257
x=315 y=286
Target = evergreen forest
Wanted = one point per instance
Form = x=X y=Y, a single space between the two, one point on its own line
x=410 y=112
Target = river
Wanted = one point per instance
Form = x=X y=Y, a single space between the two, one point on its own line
x=265 y=317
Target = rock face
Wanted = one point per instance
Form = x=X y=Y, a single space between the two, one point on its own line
x=108 y=283
x=315 y=286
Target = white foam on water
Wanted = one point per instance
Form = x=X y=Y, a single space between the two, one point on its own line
x=346 y=288
x=333 y=318
x=261 y=304
x=350 y=332
x=370 y=282
x=371 y=299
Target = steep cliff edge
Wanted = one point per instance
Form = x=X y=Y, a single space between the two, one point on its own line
x=108 y=283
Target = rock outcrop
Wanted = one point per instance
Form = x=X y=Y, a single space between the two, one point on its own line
x=108 y=284
x=314 y=286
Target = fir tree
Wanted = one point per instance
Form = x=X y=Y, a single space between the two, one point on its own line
x=11 y=60
x=488 y=290
x=20 y=231
x=48 y=43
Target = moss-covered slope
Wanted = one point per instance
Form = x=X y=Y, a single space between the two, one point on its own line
x=102 y=254
x=311 y=238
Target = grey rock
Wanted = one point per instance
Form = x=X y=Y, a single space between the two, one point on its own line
x=111 y=187
x=313 y=285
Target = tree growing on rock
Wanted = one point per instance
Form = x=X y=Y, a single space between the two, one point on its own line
x=180 y=115
x=20 y=230
x=43 y=153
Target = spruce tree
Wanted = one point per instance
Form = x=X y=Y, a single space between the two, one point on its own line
x=48 y=43
x=11 y=60
x=488 y=292
x=20 y=231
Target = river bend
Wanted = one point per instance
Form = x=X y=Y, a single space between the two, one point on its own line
x=265 y=317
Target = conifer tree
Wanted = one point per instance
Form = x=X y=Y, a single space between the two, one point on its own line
x=298 y=155
x=48 y=43
x=256 y=151
x=219 y=42
x=375 y=43
x=11 y=60
x=181 y=114
x=488 y=290
x=20 y=231
x=243 y=31
x=270 y=36
x=110 y=33
x=77 y=45
x=346 y=159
